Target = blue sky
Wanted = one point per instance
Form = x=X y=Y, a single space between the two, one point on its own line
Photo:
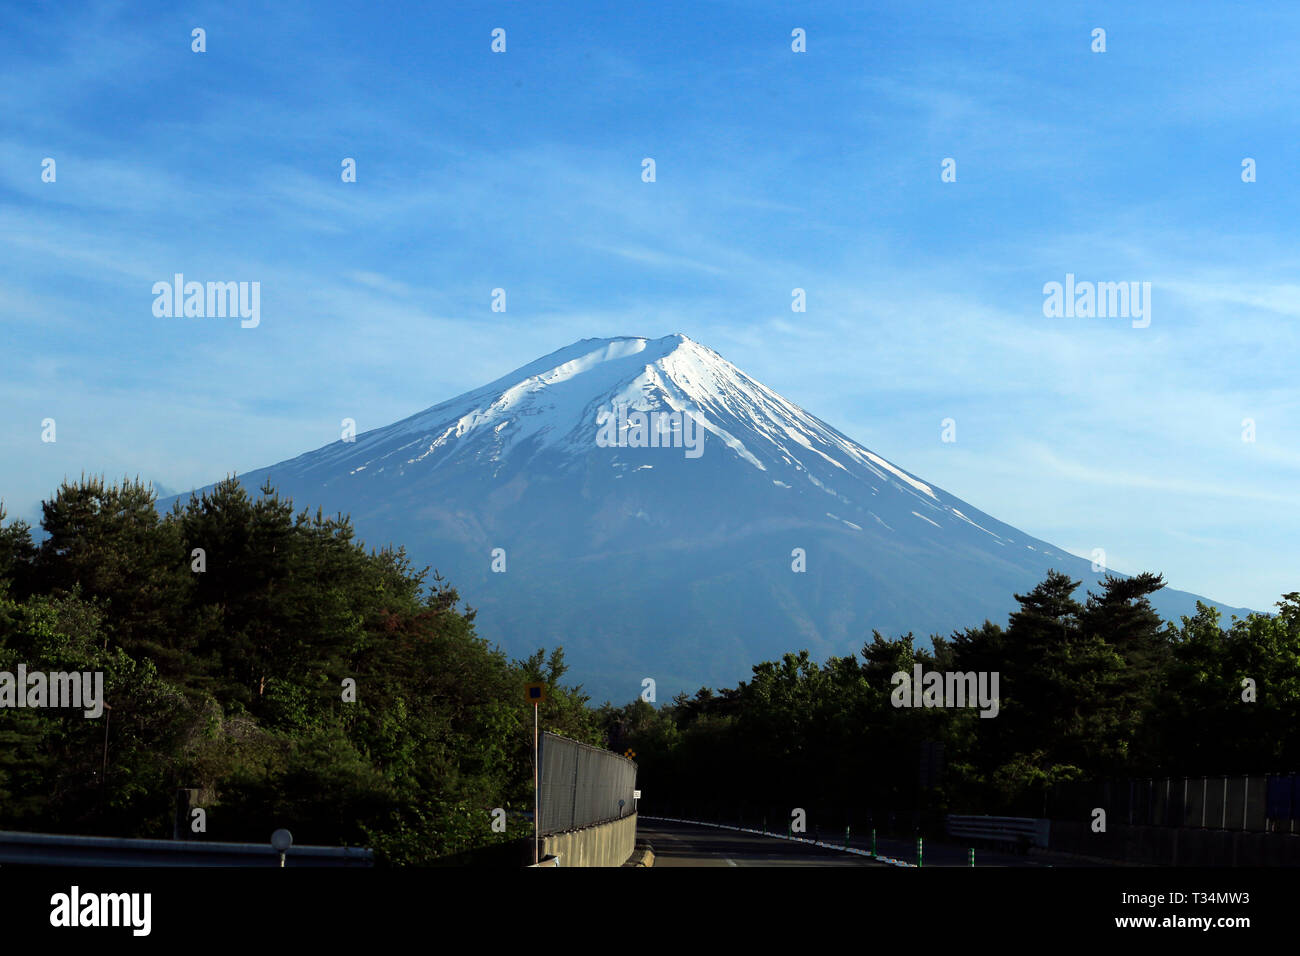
x=775 y=170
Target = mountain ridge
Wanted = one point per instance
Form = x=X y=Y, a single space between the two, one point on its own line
x=506 y=490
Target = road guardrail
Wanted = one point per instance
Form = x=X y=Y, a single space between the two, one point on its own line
x=57 y=849
x=1020 y=832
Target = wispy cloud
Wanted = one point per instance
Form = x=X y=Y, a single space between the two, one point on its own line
x=775 y=171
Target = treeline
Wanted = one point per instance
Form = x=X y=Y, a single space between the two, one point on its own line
x=267 y=660
x=229 y=632
x=1087 y=691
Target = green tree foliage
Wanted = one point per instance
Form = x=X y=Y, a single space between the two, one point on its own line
x=269 y=661
x=231 y=680
x=1231 y=699
x=1088 y=690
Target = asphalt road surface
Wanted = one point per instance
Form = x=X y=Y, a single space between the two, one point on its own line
x=681 y=844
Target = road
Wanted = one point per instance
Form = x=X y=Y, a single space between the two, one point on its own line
x=681 y=844
x=947 y=854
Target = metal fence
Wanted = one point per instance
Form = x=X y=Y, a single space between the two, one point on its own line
x=1254 y=803
x=582 y=785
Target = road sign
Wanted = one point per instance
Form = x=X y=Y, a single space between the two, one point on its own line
x=281 y=840
x=536 y=693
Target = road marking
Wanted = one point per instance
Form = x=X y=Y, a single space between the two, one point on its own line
x=731 y=862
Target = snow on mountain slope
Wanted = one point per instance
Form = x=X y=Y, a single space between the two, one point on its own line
x=645 y=561
x=553 y=403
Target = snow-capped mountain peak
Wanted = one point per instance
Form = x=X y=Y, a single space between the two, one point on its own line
x=555 y=404
x=689 y=561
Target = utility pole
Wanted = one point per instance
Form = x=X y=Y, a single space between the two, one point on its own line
x=537 y=792
x=535 y=694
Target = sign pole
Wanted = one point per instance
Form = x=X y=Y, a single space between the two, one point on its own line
x=537 y=793
x=535 y=693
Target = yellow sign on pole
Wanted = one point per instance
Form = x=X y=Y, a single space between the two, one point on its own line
x=536 y=693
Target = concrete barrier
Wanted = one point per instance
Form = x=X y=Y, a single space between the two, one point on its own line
x=643 y=855
x=605 y=844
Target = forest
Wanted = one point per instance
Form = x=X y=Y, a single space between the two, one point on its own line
x=270 y=663
x=226 y=631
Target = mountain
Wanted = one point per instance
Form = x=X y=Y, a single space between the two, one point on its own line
x=672 y=562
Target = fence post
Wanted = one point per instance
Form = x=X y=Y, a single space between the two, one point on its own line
x=573 y=810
